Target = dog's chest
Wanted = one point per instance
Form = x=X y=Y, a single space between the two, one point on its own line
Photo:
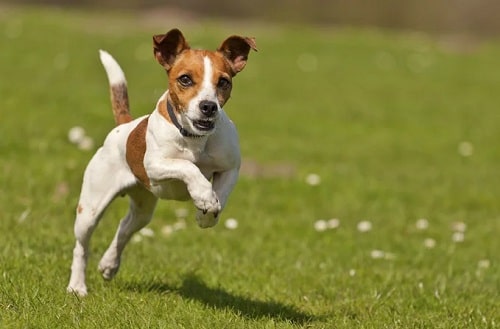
x=204 y=158
x=176 y=189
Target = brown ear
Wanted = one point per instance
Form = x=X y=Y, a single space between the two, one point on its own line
x=167 y=46
x=236 y=49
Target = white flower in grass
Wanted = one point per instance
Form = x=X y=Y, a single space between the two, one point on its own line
x=364 y=226
x=429 y=243
x=422 y=224
x=137 y=238
x=313 y=179
x=181 y=212
x=458 y=237
x=167 y=230
x=333 y=223
x=459 y=227
x=146 y=231
x=483 y=264
x=76 y=135
x=231 y=224
x=380 y=254
x=377 y=254
x=320 y=225
x=179 y=225
x=465 y=149
x=352 y=272
x=86 y=144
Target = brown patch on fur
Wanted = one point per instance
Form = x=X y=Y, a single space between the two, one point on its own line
x=189 y=62
x=236 y=49
x=119 y=103
x=135 y=150
x=79 y=209
x=162 y=109
x=220 y=69
x=173 y=52
x=167 y=46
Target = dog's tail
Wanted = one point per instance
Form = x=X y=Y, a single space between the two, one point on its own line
x=118 y=88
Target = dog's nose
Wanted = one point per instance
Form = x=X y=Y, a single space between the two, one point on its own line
x=208 y=108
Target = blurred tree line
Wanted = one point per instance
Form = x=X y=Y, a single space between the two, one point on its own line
x=463 y=16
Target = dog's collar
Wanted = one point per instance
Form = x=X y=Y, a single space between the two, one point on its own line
x=182 y=130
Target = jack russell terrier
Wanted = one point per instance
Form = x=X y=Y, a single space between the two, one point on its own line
x=186 y=148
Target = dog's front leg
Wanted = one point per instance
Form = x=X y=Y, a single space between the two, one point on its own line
x=199 y=188
x=223 y=184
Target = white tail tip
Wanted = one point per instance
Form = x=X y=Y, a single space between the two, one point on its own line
x=113 y=70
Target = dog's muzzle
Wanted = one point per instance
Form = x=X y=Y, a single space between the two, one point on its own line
x=209 y=109
x=204 y=125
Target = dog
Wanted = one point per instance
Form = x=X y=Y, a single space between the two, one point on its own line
x=187 y=148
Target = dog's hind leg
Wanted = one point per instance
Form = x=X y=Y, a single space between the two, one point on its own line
x=100 y=186
x=87 y=218
x=142 y=205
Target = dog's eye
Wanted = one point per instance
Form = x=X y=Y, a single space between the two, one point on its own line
x=185 y=80
x=224 y=83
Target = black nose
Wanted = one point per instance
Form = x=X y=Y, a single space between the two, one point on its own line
x=208 y=108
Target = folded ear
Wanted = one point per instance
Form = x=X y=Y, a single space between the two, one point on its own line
x=236 y=49
x=167 y=46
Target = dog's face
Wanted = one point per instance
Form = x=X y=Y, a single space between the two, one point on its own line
x=200 y=84
x=200 y=81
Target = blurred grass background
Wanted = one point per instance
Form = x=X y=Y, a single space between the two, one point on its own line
x=455 y=16
x=399 y=124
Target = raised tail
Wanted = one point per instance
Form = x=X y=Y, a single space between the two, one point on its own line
x=118 y=88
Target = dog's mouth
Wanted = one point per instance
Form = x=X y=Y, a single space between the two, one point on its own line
x=204 y=125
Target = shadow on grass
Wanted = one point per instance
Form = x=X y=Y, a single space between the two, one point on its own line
x=194 y=288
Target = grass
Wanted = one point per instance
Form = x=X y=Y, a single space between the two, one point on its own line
x=378 y=115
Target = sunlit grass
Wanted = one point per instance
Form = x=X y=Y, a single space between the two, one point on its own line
x=392 y=127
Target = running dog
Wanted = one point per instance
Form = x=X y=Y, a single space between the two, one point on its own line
x=187 y=148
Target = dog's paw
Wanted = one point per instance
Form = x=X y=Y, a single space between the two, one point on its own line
x=206 y=220
x=77 y=289
x=207 y=203
x=108 y=268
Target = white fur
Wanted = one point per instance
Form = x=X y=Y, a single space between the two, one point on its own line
x=204 y=169
x=114 y=71
x=207 y=92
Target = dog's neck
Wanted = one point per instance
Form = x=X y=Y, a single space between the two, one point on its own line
x=175 y=122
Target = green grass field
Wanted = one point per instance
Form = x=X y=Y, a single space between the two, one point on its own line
x=398 y=126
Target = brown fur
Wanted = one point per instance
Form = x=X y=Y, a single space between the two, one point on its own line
x=136 y=148
x=220 y=68
x=173 y=53
x=119 y=104
x=162 y=109
x=190 y=62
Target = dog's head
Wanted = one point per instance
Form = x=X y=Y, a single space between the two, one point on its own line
x=200 y=81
